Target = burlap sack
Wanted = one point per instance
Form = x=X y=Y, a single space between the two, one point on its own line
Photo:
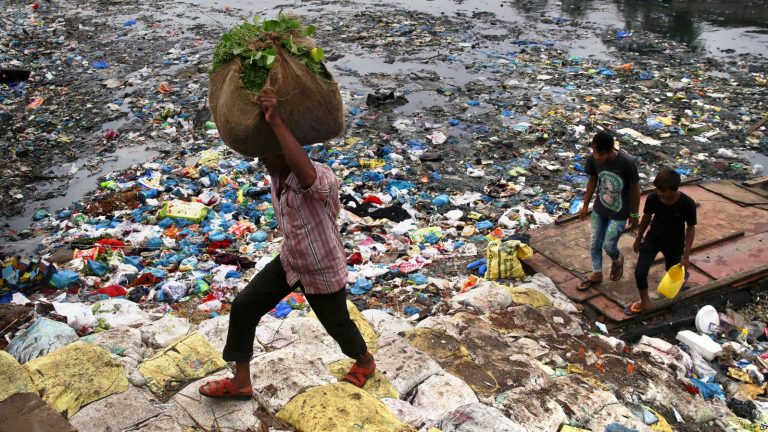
x=309 y=105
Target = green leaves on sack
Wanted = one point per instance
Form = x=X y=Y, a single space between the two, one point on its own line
x=254 y=43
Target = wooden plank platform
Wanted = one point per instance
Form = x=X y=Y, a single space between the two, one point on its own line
x=731 y=239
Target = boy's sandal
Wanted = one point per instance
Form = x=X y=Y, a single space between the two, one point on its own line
x=617 y=269
x=587 y=284
x=633 y=309
x=358 y=376
x=224 y=389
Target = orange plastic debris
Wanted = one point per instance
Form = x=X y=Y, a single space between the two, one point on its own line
x=165 y=88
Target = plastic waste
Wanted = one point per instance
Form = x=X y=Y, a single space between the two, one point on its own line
x=42 y=337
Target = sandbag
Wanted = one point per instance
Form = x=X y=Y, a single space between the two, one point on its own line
x=504 y=259
x=309 y=105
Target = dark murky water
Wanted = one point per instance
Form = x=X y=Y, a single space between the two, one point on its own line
x=713 y=26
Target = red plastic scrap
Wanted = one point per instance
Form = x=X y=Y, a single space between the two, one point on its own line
x=692 y=389
x=373 y=199
x=113 y=244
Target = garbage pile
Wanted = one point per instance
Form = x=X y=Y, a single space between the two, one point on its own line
x=444 y=170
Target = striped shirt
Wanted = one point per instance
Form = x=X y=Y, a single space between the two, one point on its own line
x=312 y=251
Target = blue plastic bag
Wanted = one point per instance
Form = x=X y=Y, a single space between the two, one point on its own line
x=64 y=278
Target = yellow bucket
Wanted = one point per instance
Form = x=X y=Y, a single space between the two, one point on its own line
x=671 y=283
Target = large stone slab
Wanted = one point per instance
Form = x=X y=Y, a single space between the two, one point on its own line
x=215 y=414
x=76 y=375
x=440 y=394
x=280 y=375
x=404 y=366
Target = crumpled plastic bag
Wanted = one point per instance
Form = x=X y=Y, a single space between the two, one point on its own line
x=503 y=259
x=171 y=292
x=79 y=316
x=42 y=337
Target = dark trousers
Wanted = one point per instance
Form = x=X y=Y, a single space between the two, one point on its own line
x=264 y=292
x=648 y=251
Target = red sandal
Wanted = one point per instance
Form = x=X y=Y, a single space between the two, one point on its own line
x=359 y=375
x=224 y=389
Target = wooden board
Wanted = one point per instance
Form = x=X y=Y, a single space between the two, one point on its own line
x=734 y=257
x=736 y=193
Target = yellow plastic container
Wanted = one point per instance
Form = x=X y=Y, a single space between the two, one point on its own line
x=671 y=283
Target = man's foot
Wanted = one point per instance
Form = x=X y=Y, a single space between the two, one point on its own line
x=225 y=389
x=360 y=372
x=593 y=280
x=617 y=268
x=635 y=308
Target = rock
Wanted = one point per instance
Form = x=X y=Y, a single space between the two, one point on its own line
x=477 y=417
x=165 y=331
x=334 y=407
x=76 y=375
x=404 y=366
x=488 y=297
x=384 y=324
x=40 y=338
x=117 y=412
x=14 y=377
x=215 y=330
x=405 y=412
x=120 y=313
x=280 y=375
x=306 y=331
x=211 y=414
x=440 y=394
x=26 y=412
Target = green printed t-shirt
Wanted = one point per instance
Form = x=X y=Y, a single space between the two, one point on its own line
x=613 y=180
